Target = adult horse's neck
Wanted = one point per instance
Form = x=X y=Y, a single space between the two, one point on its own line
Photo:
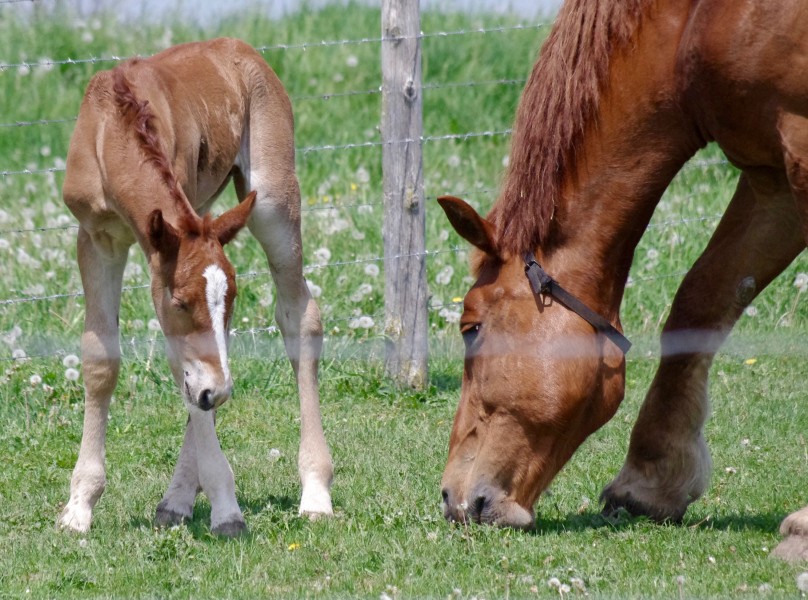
x=601 y=184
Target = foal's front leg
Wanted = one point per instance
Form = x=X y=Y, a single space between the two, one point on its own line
x=215 y=475
x=668 y=464
x=101 y=267
x=177 y=504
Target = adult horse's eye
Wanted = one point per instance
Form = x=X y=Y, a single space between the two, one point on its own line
x=469 y=332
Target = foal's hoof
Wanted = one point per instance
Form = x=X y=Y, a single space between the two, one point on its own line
x=230 y=529
x=165 y=517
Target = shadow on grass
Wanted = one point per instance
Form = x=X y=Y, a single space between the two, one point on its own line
x=577 y=522
x=275 y=508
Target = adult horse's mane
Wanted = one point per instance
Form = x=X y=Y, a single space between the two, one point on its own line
x=138 y=114
x=558 y=104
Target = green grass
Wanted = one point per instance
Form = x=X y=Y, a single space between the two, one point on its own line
x=389 y=447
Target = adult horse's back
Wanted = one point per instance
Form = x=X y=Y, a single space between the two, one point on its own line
x=156 y=141
x=623 y=94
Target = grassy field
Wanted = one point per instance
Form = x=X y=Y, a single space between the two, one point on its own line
x=388 y=538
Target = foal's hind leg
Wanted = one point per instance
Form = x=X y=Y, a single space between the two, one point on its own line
x=275 y=223
x=668 y=463
x=101 y=263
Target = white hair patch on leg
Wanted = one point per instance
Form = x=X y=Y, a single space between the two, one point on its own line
x=215 y=294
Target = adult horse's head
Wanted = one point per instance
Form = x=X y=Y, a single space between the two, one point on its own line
x=537 y=380
x=193 y=289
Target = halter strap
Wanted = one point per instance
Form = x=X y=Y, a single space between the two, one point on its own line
x=542 y=283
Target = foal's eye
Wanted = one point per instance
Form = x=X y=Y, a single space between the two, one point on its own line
x=179 y=304
x=469 y=332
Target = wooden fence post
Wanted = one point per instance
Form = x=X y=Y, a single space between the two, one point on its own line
x=405 y=289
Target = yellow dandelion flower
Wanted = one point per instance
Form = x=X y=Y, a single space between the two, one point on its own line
x=354 y=187
x=750 y=361
x=293 y=547
x=457 y=299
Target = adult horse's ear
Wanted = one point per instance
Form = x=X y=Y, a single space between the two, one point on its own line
x=162 y=235
x=228 y=224
x=471 y=226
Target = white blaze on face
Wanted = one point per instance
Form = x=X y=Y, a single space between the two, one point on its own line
x=215 y=294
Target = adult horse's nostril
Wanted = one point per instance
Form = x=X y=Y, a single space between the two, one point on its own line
x=478 y=508
x=445 y=494
x=205 y=400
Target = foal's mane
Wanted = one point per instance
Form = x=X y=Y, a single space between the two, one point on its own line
x=141 y=118
x=559 y=103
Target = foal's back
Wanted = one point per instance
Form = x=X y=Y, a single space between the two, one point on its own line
x=200 y=95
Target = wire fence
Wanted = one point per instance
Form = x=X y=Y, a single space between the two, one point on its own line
x=47 y=67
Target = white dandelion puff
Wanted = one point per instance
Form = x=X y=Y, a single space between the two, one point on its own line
x=315 y=290
x=72 y=374
x=35 y=380
x=445 y=275
x=154 y=325
x=322 y=256
x=372 y=270
x=801 y=282
x=70 y=361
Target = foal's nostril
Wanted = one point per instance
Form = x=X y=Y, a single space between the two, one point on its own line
x=205 y=401
x=445 y=493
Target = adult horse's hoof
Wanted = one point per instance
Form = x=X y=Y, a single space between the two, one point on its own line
x=794 y=548
x=614 y=502
x=230 y=529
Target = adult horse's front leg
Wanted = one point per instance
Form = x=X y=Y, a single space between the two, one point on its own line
x=668 y=464
x=101 y=265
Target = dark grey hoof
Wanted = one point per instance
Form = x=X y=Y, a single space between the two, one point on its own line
x=168 y=518
x=231 y=529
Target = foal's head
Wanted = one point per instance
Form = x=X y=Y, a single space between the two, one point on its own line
x=537 y=381
x=193 y=288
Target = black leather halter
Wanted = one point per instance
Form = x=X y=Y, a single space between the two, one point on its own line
x=542 y=283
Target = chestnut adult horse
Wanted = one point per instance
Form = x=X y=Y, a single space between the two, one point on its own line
x=624 y=92
x=156 y=141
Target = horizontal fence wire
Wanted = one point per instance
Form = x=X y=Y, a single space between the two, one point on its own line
x=307 y=97
x=47 y=65
x=50 y=63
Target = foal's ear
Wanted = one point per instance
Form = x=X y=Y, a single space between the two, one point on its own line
x=471 y=226
x=163 y=236
x=228 y=224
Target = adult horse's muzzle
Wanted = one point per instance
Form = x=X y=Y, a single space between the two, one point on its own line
x=487 y=504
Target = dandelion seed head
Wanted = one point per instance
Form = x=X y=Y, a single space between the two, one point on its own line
x=315 y=290
x=71 y=360
x=322 y=255
x=372 y=270
x=154 y=325
x=35 y=380
x=802 y=581
x=71 y=374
